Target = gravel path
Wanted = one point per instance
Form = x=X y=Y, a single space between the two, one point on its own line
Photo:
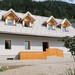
x=38 y=68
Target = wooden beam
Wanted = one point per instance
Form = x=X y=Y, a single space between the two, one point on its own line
x=52 y=22
x=10 y=15
x=65 y=24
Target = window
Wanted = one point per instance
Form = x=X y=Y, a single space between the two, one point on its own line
x=7 y=44
x=49 y=27
x=27 y=24
x=10 y=22
x=9 y=58
x=27 y=45
x=63 y=28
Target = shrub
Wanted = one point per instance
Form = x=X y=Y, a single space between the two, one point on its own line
x=2 y=68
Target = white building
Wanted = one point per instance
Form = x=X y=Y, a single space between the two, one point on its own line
x=27 y=36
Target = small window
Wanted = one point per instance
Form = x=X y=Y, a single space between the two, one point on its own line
x=27 y=45
x=27 y=24
x=7 y=44
x=10 y=22
x=63 y=28
x=9 y=58
x=49 y=27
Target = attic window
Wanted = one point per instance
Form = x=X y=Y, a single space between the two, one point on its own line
x=27 y=24
x=10 y=22
x=10 y=15
x=27 y=19
x=49 y=27
x=63 y=28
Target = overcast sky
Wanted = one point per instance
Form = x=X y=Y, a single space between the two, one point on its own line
x=73 y=1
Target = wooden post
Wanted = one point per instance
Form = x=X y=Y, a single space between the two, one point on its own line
x=30 y=24
x=14 y=22
x=23 y=23
x=6 y=21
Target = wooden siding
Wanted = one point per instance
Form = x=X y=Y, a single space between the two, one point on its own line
x=55 y=52
x=32 y=55
x=11 y=16
x=28 y=19
x=41 y=55
x=52 y=22
x=65 y=24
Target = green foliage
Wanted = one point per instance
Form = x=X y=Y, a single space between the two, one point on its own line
x=47 y=8
x=69 y=42
x=72 y=20
x=2 y=68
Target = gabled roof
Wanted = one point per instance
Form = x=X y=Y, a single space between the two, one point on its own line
x=9 y=12
x=51 y=20
x=37 y=28
x=65 y=23
x=28 y=15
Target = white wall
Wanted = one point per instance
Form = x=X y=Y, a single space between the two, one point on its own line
x=18 y=44
x=54 y=43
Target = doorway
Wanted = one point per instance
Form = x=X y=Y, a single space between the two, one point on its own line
x=45 y=46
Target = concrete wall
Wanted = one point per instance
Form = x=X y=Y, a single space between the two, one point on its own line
x=18 y=45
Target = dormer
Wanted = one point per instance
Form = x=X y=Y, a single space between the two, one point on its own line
x=10 y=17
x=51 y=23
x=27 y=20
x=65 y=23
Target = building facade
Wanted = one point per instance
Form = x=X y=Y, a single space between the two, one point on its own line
x=27 y=36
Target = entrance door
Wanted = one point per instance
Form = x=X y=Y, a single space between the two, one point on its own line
x=45 y=45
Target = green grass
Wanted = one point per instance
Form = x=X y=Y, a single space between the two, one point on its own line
x=2 y=68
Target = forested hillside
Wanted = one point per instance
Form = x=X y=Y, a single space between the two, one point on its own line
x=47 y=8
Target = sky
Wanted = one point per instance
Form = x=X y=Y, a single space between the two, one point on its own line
x=70 y=1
